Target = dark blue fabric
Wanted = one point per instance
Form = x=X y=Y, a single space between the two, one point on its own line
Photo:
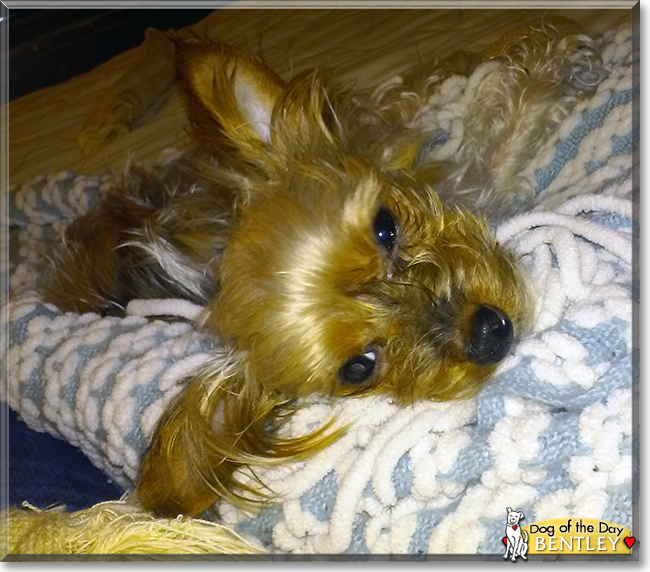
x=44 y=471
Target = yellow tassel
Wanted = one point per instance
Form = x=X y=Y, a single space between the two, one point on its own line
x=114 y=527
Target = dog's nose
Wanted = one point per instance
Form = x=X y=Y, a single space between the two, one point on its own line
x=491 y=336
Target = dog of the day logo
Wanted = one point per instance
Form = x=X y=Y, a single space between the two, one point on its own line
x=564 y=536
x=516 y=539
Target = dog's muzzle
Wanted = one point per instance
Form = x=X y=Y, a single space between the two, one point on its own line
x=491 y=336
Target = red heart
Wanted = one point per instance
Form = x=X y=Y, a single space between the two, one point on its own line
x=629 y=540
x=514 y=527
x=505 y=540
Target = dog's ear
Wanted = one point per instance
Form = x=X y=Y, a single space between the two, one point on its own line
x=241 y=109
x=231 y=95
x=217 y=424
x=171 y=480
x=229 y=92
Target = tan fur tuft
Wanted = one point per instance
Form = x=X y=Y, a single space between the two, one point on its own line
x=215 y=426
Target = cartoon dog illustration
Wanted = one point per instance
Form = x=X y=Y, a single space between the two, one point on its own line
x=515 y=542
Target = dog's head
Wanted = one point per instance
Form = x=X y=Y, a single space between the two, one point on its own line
x=343 y=275
x=514 y=516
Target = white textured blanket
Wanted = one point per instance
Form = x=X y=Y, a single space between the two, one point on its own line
x=551 y=435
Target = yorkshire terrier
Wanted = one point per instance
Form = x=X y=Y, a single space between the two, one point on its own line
x=330 y=254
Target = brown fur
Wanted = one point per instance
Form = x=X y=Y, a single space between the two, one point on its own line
x=275 y=227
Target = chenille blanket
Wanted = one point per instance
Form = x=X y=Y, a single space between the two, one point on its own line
x=551 y=435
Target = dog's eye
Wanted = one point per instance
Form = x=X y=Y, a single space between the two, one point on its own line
x=358 y=368
x=385 y=228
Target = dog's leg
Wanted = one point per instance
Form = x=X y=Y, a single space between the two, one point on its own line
x=508 y=546
x=545 y=72
x=524 y=545
x=538 y=75
x=157 y=235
